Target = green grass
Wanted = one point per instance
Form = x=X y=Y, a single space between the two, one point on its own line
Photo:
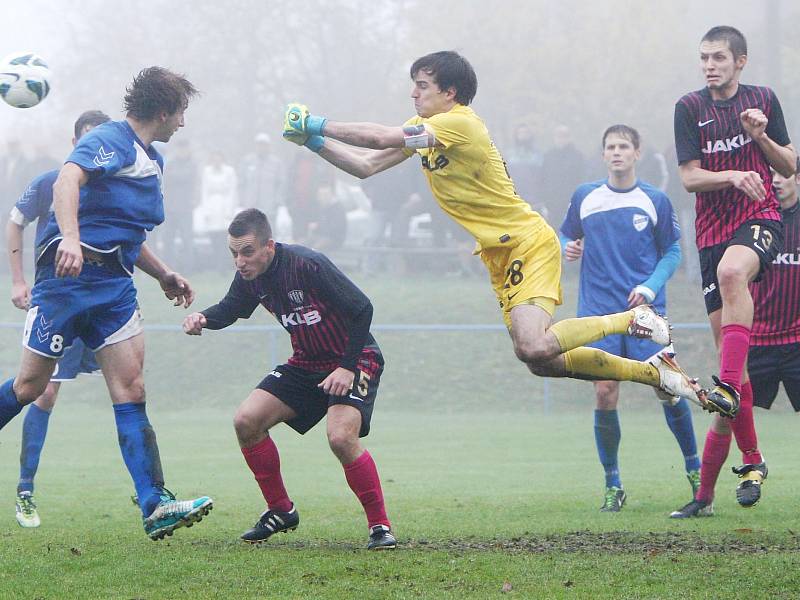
x=485 y=482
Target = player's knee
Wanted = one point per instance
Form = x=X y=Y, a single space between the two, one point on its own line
x=342 y=441
x=133 y=393
x=731 y=277
x=534 y=353
x=606 y=394
x=28 y=389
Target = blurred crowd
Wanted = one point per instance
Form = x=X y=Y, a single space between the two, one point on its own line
x=387 y=222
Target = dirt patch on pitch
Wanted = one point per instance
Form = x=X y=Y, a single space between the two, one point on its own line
x=619 y=541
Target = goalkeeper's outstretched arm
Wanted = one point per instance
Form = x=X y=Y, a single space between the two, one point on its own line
x=360 y=162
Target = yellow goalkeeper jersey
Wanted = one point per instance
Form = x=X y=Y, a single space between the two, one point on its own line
x=469 y=180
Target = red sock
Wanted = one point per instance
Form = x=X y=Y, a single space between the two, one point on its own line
x=715 y=452
x=733 y=354
x=362 y=477
x=265 y=463
x=744 y=428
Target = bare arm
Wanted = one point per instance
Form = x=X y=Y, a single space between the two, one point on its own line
x=20 y=292
x=175 y=286
x=365 y=135
x=66 y=195
x=360 y=162
x=697 y=179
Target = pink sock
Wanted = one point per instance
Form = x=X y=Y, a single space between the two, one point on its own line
x=733 y=354
x=715 y=452
x=744 y=428
x=362 y=477
x=265 y=463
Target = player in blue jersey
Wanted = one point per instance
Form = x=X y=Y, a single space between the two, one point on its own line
x=106 y=197
x=627 y=236
x=334 y=370
x=35 y=205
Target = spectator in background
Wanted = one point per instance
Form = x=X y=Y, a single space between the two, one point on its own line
x=327 y=229
x=524 y=164
x=305 y=177
x=218 y=202
x=181 y=192
x=263 y=178
x=396 y=196
x=652 y=166
x=563 y=169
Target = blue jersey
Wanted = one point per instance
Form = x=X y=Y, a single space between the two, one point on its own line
x=122 y=199
x=625 y=233
x=35 y=204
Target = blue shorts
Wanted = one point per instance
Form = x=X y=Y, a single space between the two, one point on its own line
x=98 y=306
x=627 y=346
x=77 y=359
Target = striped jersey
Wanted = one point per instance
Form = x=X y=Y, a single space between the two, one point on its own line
x=326 y=315
x=777 y=296
x=711 y=131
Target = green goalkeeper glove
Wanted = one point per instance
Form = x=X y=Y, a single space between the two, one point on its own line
x=297 y=120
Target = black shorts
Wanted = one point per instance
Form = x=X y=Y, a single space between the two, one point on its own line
x=297 y=388
x=764 y=236
x=768 y=366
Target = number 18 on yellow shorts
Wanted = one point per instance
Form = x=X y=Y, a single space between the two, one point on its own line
x=529 y=273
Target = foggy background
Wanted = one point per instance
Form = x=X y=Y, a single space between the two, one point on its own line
x=555 y=74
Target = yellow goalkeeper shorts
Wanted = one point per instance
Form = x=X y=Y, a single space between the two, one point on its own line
x=529 y=273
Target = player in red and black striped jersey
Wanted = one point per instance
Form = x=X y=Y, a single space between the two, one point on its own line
x=775 y=339
x=334 y=371
x=727 y=137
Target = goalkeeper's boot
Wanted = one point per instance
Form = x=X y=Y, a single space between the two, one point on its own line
x=270 y=523
x=674 y=382
x=655 y=360
x=695 y=508
x=614 y=500
x=27 y=516
x=381 y=538
x=694 y=481
x=171 y=514
x=723 y=399
x=646 y=323
x=748 y=492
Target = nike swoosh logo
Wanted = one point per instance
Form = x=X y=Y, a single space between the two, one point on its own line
x=704 y=123
x=511 y=296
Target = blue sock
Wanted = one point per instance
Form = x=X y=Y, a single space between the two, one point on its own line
x=607 y=436
x=34 y=430
x=679 y=419
x=137 y=441
x=9 y=406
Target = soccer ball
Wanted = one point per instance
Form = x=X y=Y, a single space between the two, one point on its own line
x=24 y=79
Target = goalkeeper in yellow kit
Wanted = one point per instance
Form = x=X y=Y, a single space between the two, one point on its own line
x=469 y=180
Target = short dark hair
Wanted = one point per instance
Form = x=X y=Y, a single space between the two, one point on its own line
x=155 y=90
x=734 y=37
x=251 y=220
x=91 y=118
x=449 y=69
x=625 y=131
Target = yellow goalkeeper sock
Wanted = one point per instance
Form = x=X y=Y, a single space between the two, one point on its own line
x=594 y=364
x=574 y=333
